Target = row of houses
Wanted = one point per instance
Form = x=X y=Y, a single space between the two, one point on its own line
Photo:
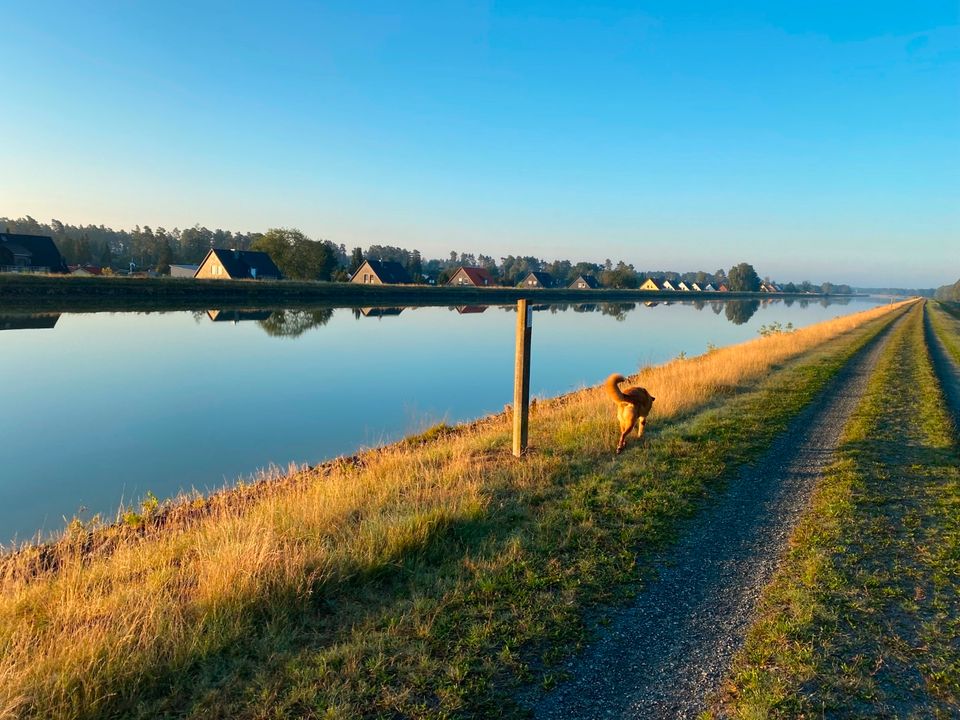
x=390 y=272
x=681 y=286
x=38 y=253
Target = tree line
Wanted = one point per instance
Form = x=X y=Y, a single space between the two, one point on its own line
x=300 y=257
x=949 y=293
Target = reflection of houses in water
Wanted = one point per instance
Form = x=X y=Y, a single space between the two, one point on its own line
x=379 y=312
x=29 y=321
x=650 y=303
x=585 y=307
x=236 y=316
x=471 y=309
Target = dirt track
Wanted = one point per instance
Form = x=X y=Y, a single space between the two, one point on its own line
x=663 y=656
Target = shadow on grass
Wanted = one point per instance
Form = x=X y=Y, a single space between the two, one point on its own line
x=272 y=631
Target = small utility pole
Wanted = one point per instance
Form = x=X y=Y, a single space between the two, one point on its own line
x=521 y=378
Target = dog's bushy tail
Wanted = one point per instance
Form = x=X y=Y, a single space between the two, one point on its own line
x=612 y=386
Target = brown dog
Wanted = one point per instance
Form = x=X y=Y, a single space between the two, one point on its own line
x=633 y=406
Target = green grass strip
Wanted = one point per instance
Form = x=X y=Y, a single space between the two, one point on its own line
x=945 y=321
x=862 y=619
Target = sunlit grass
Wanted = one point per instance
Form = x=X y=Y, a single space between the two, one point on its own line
x=431 y=532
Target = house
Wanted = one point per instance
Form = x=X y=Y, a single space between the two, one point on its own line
x=722 y=287
x=476 y=276
x=667 y=285
x=222 y=264
x=30 y=253
x=769 y=287
x=471 y=309
x=381 y=272
x=183 y=271
x=537 y=279
x=651 y=284
x=584 y=282
x=683 y=286
x=696 y=287
x=709 y=288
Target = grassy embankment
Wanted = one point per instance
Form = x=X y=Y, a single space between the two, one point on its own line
x=863 y=618
x=428 y=580
x=68 y=293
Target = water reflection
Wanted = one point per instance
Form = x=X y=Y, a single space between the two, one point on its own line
x=379 y=312
x=236 y=316
x=28 y=321
x=740 y=311
x=294 y=323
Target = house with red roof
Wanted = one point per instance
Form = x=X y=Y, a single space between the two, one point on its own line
x=475 y=276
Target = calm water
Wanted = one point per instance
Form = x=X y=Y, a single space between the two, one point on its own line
x=100 y=408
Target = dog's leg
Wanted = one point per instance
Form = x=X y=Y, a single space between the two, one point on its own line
x=627 y=416
x=640 y=427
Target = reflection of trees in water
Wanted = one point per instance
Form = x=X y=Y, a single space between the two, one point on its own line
x=788 y=301
x=699 y=304
x=739 y=311
x=294 y=323
x=717 y=307
x=617 y=310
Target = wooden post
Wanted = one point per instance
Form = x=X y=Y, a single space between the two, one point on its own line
x=521 y=378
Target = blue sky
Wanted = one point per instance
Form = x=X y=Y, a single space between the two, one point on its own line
x=816 y=140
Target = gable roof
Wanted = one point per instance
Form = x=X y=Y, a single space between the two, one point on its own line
x=390 y=272
x=658 y=284
x=477 y=275
x=39 y=250
x=589 y=280
x=245 y=263
x=545 y=279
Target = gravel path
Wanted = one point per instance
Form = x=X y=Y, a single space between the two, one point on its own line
x=947 y=369
x=663 y=656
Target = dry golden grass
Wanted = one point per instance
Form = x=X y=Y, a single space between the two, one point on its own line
x=111 y=622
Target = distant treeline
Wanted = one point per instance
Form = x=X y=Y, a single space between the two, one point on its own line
x=905 y=292
x=300 y=257
x=950 y=293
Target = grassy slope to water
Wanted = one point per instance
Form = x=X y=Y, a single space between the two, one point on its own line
x=428 y=580
x=864 y=616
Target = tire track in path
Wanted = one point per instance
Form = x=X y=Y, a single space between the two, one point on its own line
x=946 y=368
x=667 y=653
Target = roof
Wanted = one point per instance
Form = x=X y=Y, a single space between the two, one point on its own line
x=545 y=279
x=658 y=283
x=477 y=275
x=589 y=280
x=390 y=272
x=245 y=263
x=40 y=249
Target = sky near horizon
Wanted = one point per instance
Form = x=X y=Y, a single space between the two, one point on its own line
x=816 y=140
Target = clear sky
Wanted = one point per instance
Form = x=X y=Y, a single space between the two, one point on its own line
x=817 y=140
